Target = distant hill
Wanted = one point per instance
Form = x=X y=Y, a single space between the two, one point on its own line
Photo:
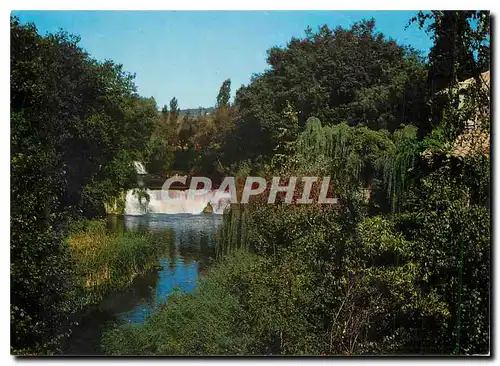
x=195 y=112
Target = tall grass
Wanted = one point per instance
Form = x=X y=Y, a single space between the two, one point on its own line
x=106 y=261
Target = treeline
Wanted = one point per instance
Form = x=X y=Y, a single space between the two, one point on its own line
x=191 y=143
x=402 y=264
x=355 y=76
x=351 y=75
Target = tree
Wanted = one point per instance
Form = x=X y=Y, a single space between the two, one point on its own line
x=186 y=130
x=224 y=94
x=456 y=38
x=461 y=50
x=164 y=110
x=174 y=111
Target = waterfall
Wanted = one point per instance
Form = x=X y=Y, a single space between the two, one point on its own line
x=134 y=206
x=176 y=201
x=172 y=201
x=139 y=168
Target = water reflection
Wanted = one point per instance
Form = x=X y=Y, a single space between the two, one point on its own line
x=189 y=255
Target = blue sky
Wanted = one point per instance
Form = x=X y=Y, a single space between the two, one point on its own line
x=189 y=54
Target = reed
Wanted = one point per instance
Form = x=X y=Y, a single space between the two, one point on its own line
x=106 y=261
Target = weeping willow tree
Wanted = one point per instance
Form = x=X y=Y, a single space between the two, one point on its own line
x=398 y=163
x=353 y=153
x=233 y=232
x=358 y=156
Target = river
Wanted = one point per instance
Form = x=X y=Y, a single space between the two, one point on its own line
x=190 y=254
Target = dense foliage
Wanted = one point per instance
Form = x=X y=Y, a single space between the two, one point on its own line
x=338 y=281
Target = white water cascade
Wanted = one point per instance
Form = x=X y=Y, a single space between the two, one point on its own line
x=176 y=201
x=172 y=201
x=139 y=168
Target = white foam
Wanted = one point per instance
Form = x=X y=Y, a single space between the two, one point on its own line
x=139 y=168
x=176 y=201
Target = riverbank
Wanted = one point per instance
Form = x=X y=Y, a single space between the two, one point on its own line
x=115 y=287
x=208 y=321
x=310 y=280
x=109 y=261
x=106 y=262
